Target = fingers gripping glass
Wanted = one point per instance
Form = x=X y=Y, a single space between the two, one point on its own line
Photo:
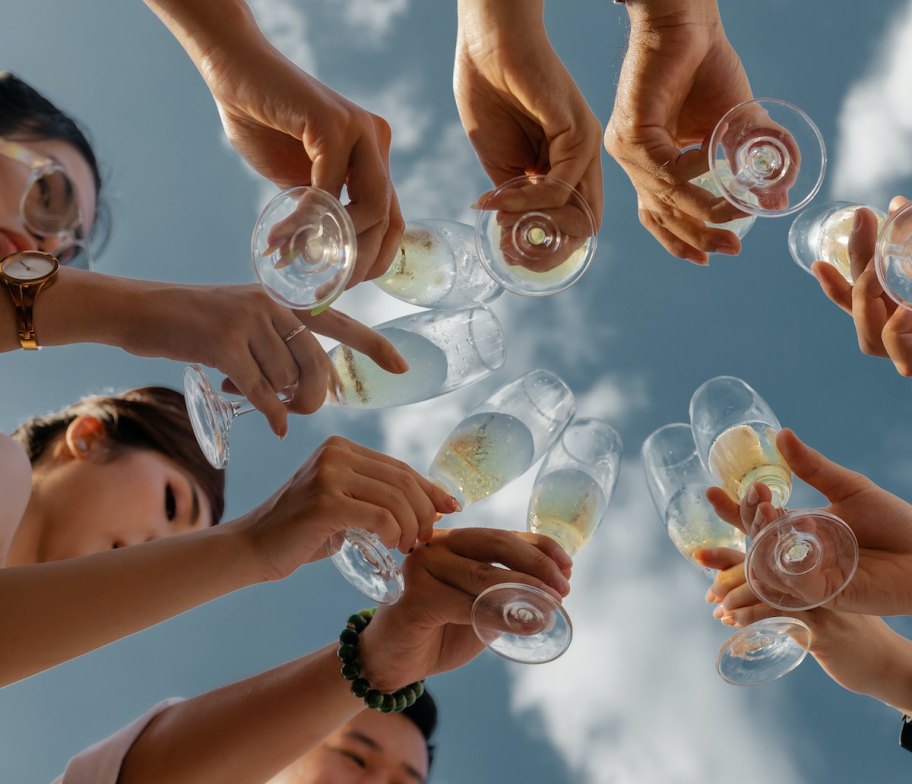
x=50 y=205
x=762 y=651
x=801 y=559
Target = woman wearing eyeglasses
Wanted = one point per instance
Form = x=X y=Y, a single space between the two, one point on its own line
x=51 y=200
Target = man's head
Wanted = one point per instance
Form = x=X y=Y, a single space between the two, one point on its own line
x=381 y=748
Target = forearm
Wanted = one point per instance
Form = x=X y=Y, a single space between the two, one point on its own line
x=206 y=29
x=53 y=612
x=503 y=21
x=247 y=731
x=84 y=307
x=891 y=683
x=652 y=12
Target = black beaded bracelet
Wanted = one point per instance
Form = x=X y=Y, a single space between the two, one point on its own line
x=388 y=702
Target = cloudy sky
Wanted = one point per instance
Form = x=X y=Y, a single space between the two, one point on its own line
x=636 y=699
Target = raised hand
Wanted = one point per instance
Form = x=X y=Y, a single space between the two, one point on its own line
x=679 y=76
x=881 y=521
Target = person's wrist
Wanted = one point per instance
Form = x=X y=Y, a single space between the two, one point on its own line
x=489 y=25
x=664 y=13
x=385 y=670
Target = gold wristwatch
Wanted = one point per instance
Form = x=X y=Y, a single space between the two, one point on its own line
x=24 y=274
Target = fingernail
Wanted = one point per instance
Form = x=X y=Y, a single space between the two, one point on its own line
x=752 y=495
x=711 y=597
x=401 y=364
x=563 y=558
x=476 y=205
x=728 y=619
x=856 y=220
x=718 y=612
x=453 y=505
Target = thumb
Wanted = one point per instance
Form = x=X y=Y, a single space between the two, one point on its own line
x=821 y=473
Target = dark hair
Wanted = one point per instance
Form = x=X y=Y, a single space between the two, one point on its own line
x=147 y=418
x=423 y=714
x=28 y=115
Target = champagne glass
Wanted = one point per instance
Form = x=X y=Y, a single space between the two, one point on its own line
x=445 y=351
x=758 y=653
x=437 y=267
x=822 y=233
x=535 y=235
x=803 y=558
x=303 y=248
x=569 y=500
x=767 y=158
x=492 y=446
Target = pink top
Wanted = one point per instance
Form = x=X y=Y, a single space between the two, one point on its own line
x=100 y=764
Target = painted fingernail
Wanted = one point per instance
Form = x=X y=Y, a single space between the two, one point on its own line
x=711 y=596
x=752 y=495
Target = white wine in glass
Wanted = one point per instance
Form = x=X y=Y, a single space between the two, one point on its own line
x=567 y=504
x=746 y=453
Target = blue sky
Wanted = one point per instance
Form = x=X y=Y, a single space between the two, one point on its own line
x=636 y=699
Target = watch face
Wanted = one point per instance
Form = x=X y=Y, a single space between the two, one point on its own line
x=28 y=265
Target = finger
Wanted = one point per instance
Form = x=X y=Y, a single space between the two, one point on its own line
x=252 y=384
x=728 y=580
x=339 y=326
x=725 y=507
x=862 y=239
x=897 y=339
x=671 y=242
x=330 y=163
x=356 y=513
x=837 y=289
x=312 y=373
x=695 y=232
x=405 y=480
x=833 y=480
x=869 y=312
x=719 y=558
x=753 y=506
x=738 y=597
x=523 y=554
x=897 y=203
x=442 y=500
x=550 y=548
x=590 y=188
x=370 y=191
x=390 y=497
x=745 y=616
x=473 y=576
x=390 y=244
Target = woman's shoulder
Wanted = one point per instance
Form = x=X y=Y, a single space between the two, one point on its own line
x=15 y=485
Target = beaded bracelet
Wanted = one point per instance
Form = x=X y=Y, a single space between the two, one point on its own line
x=388 y=702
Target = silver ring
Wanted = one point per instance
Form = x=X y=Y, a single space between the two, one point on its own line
x=296 y=331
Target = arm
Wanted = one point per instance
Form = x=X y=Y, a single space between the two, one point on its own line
x=288 y=126
x=237 y=329
x=52 y=612
x=679 y=76
x=520 y=107
x=251 y=730
x=15 y=489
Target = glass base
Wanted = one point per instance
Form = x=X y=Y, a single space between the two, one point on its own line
x=764 y=651
x=364 y=561
x=208 y=416
x=521 y=623
x=802 y=560
x=535 y=235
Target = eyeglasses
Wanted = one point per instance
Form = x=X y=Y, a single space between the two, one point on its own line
x=50 y=205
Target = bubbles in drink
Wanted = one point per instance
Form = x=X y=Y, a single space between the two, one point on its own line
x=747 y=453
x=362 y=384
x=485 y=452
x=693 y=524
x=567 y=505
x=423 y=271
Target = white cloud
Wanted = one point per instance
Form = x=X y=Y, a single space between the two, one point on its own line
x=875 y=122
x=636 y=697
x=401 y=104
x=373 y=18
x=286 y=27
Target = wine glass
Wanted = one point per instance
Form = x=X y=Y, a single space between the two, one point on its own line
x=677 y=481
x=569 y=499
x=437 y=267
x=767 y=158
x=500 y=440
x=822 y=233
x=534 y=235
x=303 y=248
x=803 y=558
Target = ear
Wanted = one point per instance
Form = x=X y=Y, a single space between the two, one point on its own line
x=84 y=433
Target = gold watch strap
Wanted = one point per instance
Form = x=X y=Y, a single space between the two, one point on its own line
x=24 y=300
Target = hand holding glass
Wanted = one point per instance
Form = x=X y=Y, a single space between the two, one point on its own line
x=569 y=500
